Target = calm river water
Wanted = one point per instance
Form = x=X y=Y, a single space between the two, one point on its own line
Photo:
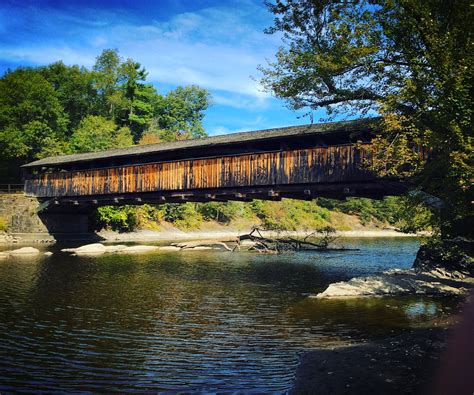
x=189 y=321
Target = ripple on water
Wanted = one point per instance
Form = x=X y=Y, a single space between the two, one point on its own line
x=206 y=321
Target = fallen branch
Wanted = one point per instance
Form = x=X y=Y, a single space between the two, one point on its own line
x=281 y=244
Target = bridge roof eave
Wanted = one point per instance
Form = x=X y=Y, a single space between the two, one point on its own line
x=366 y=124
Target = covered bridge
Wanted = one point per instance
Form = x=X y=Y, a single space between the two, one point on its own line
x=301 y=162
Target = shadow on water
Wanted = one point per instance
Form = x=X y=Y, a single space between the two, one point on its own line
x=203 y=321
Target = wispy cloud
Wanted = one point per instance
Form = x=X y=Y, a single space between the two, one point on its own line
x=216 y=47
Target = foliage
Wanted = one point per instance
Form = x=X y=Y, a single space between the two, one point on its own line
x=409 y=215
x=410 y=60
x=221 y=212
x=30 y=113
x=182 y=215
x=74 y=89
x=290 y=214
x=120 y=219
x=180 y=113
x=3 y=224
x=95 y=133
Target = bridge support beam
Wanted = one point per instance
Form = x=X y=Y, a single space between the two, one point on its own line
x=68 y=224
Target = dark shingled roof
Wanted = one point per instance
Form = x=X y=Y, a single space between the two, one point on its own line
x=227 y=139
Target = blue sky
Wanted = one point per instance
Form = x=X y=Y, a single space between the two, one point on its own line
x=214 y=44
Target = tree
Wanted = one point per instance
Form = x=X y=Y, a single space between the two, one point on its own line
x=95 y=133
x=106 y=77
x=31 y=119
x=75 y=91
x=124 y=96
x=181 y=111
x=409 y=60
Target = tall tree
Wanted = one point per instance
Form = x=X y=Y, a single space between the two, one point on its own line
x=31 y=119
x=124 y=95
x=181 y=112
x=75 y=90
x=140 y=98
x=410 y=60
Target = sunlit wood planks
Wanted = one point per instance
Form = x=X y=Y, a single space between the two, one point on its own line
x=315 y=165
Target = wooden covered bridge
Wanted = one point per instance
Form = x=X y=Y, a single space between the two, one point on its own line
x=301 y=162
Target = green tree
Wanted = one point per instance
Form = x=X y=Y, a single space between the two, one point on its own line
x=75 y=91
x=96 y=133
x=180 y=113
x=124 y=96
x=31 y=119
x=106 y=77
x=409 y=60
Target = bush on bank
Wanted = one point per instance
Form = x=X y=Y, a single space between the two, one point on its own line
x=285 y=215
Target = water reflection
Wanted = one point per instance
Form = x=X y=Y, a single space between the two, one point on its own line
x=203 y=321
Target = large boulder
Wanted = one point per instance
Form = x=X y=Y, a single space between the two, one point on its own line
x=88 y=249
x=24 y=251
x=398 y=282
x=115 y=248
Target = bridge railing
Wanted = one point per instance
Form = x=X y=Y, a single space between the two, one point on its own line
x=11 y=188
x=313 y=165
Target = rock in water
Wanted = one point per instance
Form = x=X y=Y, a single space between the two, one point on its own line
x=138 y=249
x=24 y=251
x=169 y=248
x=88 y=249
x=115 y=248
x=396 y=282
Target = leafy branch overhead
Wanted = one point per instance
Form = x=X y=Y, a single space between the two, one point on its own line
x=410 y=61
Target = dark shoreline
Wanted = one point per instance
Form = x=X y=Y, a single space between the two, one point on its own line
x=407 y=363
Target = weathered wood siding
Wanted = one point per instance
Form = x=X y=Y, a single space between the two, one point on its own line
x=315 y=165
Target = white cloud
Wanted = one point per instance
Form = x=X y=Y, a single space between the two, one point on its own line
x=217 y=48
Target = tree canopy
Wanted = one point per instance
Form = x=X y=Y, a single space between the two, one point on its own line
x=410 y=61
x=96 y=133
x=60 y=109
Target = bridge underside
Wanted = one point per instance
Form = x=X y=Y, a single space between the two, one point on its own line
x=69 y=215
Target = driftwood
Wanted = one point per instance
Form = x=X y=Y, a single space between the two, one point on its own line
x=282 y=244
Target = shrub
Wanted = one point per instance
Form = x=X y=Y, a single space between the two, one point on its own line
x=221 y=212
x=290 y=214
x=182 y=215
x=119 y=219
x=3 y=224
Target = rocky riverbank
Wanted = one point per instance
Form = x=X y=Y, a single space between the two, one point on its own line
x=402 y=282
x=443 y=269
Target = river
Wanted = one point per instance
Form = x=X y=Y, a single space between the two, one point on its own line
x=205 y=321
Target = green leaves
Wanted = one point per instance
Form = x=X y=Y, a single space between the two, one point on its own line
x=411 y=60
x=59 y=109
x=95 y=133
